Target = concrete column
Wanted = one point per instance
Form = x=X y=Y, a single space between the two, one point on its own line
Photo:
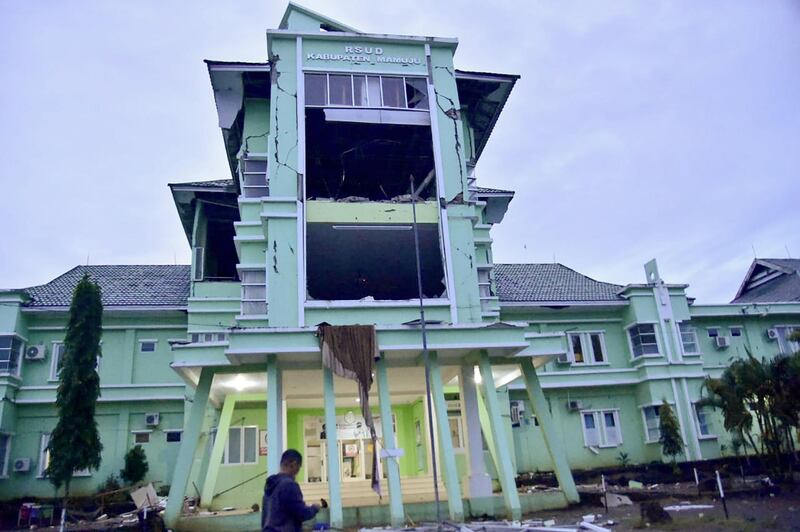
x=390 y=443
x=332 y=452
x=183 y=465
x=274 y=415
x=550 y=433
x=480 y=483
x=214 y=462
x=504 y=467
x=446 y=456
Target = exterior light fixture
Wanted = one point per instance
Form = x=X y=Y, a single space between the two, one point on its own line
x=240 y=383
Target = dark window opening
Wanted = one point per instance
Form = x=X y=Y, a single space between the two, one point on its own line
x=365 y=161
x=353 y=262
x=220 y=256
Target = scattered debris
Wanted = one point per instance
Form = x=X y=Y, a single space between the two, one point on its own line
x=615 y=500
x=680 y=507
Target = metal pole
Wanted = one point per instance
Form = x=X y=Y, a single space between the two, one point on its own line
x=605 y=492
x=722 y=494
x=425 y=354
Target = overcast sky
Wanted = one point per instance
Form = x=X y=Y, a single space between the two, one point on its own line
x=638 y=130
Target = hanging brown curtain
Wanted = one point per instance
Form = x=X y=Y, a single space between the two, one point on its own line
x=350 y=352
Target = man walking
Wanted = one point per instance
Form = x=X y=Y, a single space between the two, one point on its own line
x=283 y=509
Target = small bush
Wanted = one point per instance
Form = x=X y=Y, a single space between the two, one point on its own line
x=136 y=466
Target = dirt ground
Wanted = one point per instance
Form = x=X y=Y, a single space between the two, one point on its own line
x=779 y=512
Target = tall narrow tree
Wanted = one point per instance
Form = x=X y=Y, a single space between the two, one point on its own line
x=671 y=441
x=75 y=441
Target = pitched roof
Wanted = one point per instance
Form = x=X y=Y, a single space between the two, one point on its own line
x=770 y=281
x=550 y=282
x=128 y=286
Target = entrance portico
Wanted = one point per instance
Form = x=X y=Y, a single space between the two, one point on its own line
x=288 y=393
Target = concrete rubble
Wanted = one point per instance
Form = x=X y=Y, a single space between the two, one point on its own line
x=530 y=525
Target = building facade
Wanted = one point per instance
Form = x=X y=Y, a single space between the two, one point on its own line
x=215 y=368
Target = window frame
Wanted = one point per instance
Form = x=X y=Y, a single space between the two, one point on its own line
x=143 y=432
x=241 y=428
x=738 y=328
x=143 y=341
x=657 y=409
x=693 y=331
x=369 y=104
x=587 y=348
x=700 y=436
x=245 y=284
x=783 y=341
x=167 y=433
x=56 y=348
x=18 y=364
x=56 y=352
x=4 y=460
x=656 y=334
x=599 y=417
x=460 y=427
x=44 y=459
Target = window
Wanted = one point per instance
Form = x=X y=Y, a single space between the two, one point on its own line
x=341 y=89
x=57 y=360
x=44 y=458
x=785 y=344
x=703 y=421
x=601 y=428
x=688 y=339
x=242 y=446
x=713 y=332
x=173 y=436
x=147 y=346
x=254 y=292
x=643 y=339
x=652 y=423
x=10 y=351
x=208 y=337
x=253 y=176
x=316 y=89
x=456 y=432
x=5 y=448
x=346 y=90
x=141 y=437
x=587 y=348
x=736 y=331
x=393 y=92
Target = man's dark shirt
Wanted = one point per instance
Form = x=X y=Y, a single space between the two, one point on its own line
x=283 y=509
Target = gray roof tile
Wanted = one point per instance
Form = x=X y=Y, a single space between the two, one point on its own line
x=550 y=282
x=783 y=289
x=137 y=286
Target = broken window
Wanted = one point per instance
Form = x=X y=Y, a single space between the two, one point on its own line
x=358 y=261
x=215 y=239
x=365 y=161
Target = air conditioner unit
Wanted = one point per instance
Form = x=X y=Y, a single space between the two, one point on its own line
x=772 y=333
x=22 y=465
x=575 y=405
x=35 y=352
x=722 y=342
x=563 y=358
x=151 y=419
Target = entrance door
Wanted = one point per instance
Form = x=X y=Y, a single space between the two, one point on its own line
x=351 y=453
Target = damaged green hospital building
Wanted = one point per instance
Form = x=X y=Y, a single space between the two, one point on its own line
x=216 y=368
